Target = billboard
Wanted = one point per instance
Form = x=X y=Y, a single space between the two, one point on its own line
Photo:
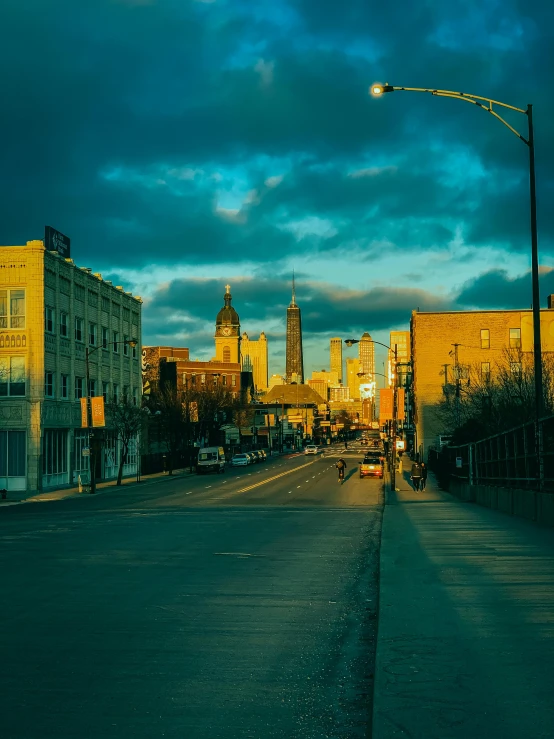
x=367 y=390
x=56 y=241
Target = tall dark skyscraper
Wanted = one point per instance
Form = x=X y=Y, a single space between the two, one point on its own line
x=295 y=359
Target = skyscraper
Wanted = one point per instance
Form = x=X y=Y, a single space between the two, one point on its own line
x=336 y=357
x=295 y=359
x=352 y=380
x=254 y=359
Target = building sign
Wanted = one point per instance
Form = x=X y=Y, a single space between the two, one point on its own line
x=97 y=411
x=459 y=463
x=385 y=405
x=56 y=241
x=295 y=419
x=400 y=445
x=325 y=423
x=84 y=414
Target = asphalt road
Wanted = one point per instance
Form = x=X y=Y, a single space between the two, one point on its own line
x=214 y=607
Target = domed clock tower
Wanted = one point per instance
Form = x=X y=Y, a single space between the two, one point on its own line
x=227 y=331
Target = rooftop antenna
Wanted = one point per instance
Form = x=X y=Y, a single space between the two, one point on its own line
x=293 y=290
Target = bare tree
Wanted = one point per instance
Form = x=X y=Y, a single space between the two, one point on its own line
x=480 y=404
x=125 y=418
x=167 y=405
x=215 y=406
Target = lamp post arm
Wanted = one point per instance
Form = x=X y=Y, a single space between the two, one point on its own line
x=470 y=98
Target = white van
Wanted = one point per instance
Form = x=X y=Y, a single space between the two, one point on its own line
x=211 y=459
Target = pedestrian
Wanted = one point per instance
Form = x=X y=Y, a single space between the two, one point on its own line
x=416 y=475
x=423 y=475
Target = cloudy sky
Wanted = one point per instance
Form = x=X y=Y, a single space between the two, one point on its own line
x=184 y=144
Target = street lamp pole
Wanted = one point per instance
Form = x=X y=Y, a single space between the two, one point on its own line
x=488 y=105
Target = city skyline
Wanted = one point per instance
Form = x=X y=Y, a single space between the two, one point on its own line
x=270 y=154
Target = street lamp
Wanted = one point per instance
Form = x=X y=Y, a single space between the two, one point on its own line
x=487 y=104
x=130 y=342
x=351 y=342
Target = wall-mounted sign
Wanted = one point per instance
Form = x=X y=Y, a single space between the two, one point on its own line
x=56 y=241
x=84 y=414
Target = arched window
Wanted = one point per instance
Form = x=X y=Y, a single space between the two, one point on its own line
x=226 y=354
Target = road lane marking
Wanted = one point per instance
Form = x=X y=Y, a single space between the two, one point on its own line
x=298 y=486
x=275 y=477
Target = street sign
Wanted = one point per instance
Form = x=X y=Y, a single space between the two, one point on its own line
x=84 y=413
x=458 y=462
x=295 y=419
x=325 y=423
x=86 y=451
x=339 y=425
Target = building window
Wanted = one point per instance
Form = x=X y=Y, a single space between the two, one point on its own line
x=125 y=345
x=92 y=334
x=92 y=388
x=13 y=454
x=49 y=320
x=134 y=349
x=49 y=384
x=79 y=387
x=233 y=380
x=78 y=329
x=64 y=387
x=116 y=341
x=12 y=308
x=215 y=379
x=126 y=314
x=203 y=379
x=105 y=391
x=105 y=304
x=193 y=379
x=485 y=371
x=12 y=377
x=115 y=393
x=515 y=338
x=485 y=338
x=54 y=458
x=226 y=354
x=135 y=396
x=64 y=323
x=79 y=292
x=105 y=334
x=515 y=369
x=224 y=379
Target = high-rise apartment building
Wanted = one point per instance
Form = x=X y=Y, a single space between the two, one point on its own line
x=367 y=357
x=295 y=358
x=336 y=357
x=254 y=359
x=53 y=316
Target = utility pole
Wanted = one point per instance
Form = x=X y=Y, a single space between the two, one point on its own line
x=457 y=379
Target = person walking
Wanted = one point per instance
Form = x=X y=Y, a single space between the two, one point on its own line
x=341 y=466
x=416 y=476
x=423 y=475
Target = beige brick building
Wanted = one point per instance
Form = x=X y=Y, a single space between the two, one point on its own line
x=50 y=312
x=449 y=343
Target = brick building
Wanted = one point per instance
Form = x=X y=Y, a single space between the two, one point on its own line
x=446 y=345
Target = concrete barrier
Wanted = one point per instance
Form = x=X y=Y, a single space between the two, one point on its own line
x=528 y=504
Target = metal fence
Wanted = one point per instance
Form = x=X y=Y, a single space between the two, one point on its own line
x=522 y=457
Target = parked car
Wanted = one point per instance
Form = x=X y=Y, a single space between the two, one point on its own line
x=372 y=466
x=263 y=455
x=259 y=456
x=240 y=460
x=311 y=449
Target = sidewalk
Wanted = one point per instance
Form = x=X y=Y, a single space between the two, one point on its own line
x=466 y=621
x=17 y=498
